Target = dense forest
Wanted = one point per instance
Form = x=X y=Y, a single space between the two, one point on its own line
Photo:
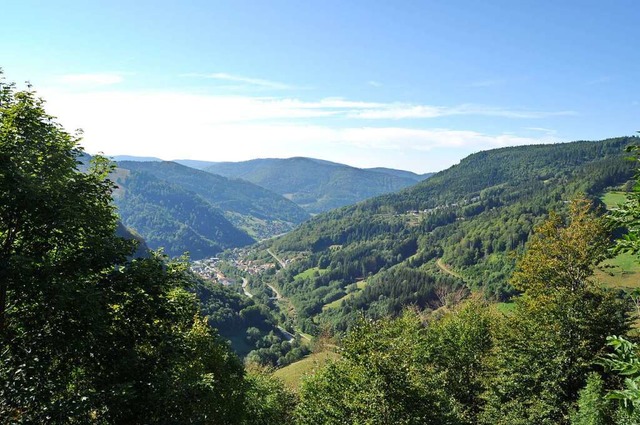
x=258 y=211
x=181 y=209
x=91 y=333
x=472 y=220
x=317 y=186
x=169 y=217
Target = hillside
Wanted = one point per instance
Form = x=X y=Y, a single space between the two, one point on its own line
x=471 y=217
x=315 y=185
x=253 y=209
x=401 y=173
x=168 y=216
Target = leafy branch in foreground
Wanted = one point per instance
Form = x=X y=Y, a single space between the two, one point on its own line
x=627 y=215
x=625 y=362
x=86 y=334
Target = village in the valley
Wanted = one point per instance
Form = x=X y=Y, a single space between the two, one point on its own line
x=212 y=268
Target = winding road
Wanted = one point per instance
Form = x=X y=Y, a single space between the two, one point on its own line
x=282 y=264
x=245 y=282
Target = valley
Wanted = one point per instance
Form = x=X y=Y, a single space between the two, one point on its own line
x=425 y=246
x=296 y=213
x=412 y=270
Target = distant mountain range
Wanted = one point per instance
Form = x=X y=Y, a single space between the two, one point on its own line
x=188 y=206
x=168 y=216
x=238 y=199
x=184 y=209
x=317 y=185
x=401 y=173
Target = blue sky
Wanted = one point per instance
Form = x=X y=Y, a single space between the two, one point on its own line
x=405 y=84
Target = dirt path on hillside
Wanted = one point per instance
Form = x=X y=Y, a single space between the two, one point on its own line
x=278 y=296
x=442 y=266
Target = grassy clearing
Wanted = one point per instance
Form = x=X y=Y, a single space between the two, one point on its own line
x=613 y=199
x=292 y=374
x=335 y=304
x=622 y=271
x=309 y=273
x=306 y=338
x=506 y=308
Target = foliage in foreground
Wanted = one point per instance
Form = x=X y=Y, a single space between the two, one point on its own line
x=88 y=334
x=473 y=365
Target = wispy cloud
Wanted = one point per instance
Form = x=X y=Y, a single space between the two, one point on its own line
x=548 y=131
x=295 y=108
x=186 y=125
x=222 y=109
x=91 y=79
x=257 y=82
x=407 y=111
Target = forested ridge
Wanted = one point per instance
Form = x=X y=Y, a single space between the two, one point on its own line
x=186 y=210
x=237 y=199
x=92 y=333
x=472 y=217
x=169 y=217
x=316 y=185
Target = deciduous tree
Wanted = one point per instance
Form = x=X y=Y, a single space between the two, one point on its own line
x=546 y=348
x=86 y=335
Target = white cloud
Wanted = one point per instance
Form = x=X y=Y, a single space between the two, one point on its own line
x=258 y=82
x=182 y=125
x=374 y=83
x=398 y=111
x=405 y=111
x=390 y=138
x=548 y=131
x=96 y=79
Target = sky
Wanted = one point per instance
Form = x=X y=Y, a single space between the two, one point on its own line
x=414 y=85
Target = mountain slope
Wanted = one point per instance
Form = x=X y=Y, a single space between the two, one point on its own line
x=470 y=217
x=315 y=185
x=401 y=173
x=194 y=163
x=254 y=209
x=168 y=216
